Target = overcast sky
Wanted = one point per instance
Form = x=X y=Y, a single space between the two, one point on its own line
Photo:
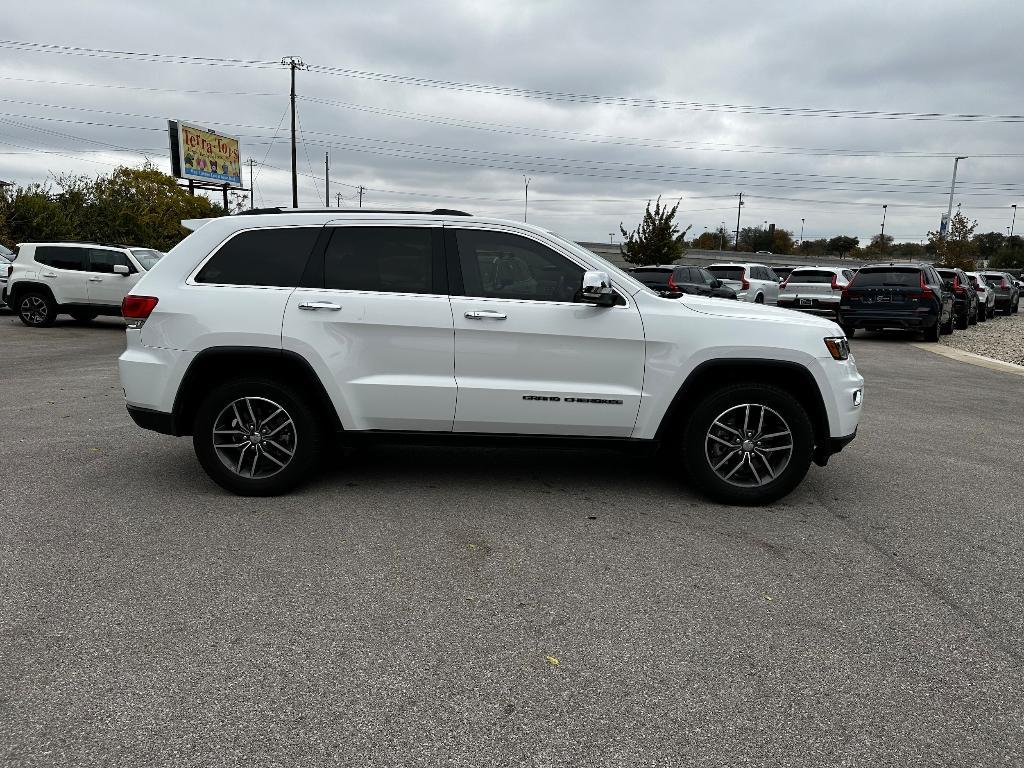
x=591 y=165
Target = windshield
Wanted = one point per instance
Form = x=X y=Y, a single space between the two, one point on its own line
x=811 y=276
x=892 y=277
x=147 y=257
x=727 y=273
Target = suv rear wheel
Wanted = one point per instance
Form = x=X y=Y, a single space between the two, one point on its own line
x=37 y=309
x=748 y=444
x=256 y=437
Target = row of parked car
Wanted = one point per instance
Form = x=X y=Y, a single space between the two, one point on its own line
x=904 y=296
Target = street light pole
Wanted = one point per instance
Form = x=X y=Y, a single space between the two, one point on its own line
x=801 y=231
x=952 y=186
x=736 y=243
x=881 y=239
x=1014 y=219
x=526 y=195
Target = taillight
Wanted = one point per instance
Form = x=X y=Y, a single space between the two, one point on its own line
x=137 y=309
x=925 y=293
x=958 y=289
x=979 y=288
x=784 y=283
x=835 y=284
x=1003 y=284
x=672 y=284
x=744 y=283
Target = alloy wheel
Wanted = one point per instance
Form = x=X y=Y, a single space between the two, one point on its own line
x=34 y=310
x=749 y=445
x=254 y=437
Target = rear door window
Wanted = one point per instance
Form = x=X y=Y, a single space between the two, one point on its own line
x=384 y=259
x=62 y=257
x=261 y=258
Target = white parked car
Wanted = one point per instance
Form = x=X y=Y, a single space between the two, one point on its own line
x=83 y=280
x=756 y=283
x=6 y=259
x=814 y=289
x=261 y=335
x=986 y=296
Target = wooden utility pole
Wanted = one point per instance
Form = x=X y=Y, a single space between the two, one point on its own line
x=293 y=63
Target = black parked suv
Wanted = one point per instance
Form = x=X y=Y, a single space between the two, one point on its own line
x=1007 y=292
x=909 y=297
x=675 y=279
x=965 y=298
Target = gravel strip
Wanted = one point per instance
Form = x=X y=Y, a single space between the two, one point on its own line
x=1001 y=338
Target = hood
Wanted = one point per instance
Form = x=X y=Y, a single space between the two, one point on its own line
x=761 y=312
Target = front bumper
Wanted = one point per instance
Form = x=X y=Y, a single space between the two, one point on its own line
x=157 y=421
x=831 y=447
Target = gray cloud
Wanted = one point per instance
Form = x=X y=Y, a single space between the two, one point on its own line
x=910 y=56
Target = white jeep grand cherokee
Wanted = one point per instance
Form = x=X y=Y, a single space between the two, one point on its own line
x=263 y=335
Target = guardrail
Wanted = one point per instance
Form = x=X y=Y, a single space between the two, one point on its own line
x=701 y=257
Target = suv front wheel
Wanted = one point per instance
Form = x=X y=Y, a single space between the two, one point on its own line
x=748 y=444
x=256 y=437
x=37 y=309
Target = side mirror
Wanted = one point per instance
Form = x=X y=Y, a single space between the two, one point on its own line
x=597 y=288
x=121 y=269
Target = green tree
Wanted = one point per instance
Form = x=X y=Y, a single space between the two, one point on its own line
x=139 y=206
x=817 y=247
x=657 y=240
x=842 y=244
x=720 y=239
x=1011 y=256
x=880 y=245
x=989 y=244
x=957 y=248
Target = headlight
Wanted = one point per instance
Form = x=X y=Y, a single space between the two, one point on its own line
x=838 y=347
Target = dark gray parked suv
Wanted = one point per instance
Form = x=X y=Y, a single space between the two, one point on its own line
x=1007 y=292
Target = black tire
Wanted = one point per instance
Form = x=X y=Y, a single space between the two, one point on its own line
x=932 y=334
x=946 y=329
x=962 y=321
x=304 y=437
x=697 y=460
x=982 y=314
x=850 y=332
x=84 y=317
x=973 y=319
x=759 y=299
x=36 y=308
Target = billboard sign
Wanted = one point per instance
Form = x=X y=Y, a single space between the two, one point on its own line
x=201 y=154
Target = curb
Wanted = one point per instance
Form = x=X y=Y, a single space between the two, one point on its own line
x=973 y=359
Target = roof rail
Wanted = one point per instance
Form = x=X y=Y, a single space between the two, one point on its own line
x=435 y=212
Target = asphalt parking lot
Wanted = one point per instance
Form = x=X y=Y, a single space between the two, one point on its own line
x=425 y=607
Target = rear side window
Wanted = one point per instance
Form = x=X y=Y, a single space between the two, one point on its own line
x=727 y=273
x=994 y=279
x=58 y=257
x=261 y=257
x=810 y=276
x=908 y=278
x=386 y=259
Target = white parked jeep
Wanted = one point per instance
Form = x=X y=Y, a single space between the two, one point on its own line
x=262 y=335
x=83 y=280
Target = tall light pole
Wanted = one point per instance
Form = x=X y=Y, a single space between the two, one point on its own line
x=952 y=186
x=526 y=195
x=801 y=231
x=721 y=237
x=736 y=242
x=611 y=238
x=881 y=239
x=1014 y=219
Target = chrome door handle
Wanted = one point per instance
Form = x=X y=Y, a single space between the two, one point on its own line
x=95 y=279
x=48 y=274
x=329 y=305
x=486 y=314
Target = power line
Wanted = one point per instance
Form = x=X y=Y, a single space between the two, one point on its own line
x=485 y=88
